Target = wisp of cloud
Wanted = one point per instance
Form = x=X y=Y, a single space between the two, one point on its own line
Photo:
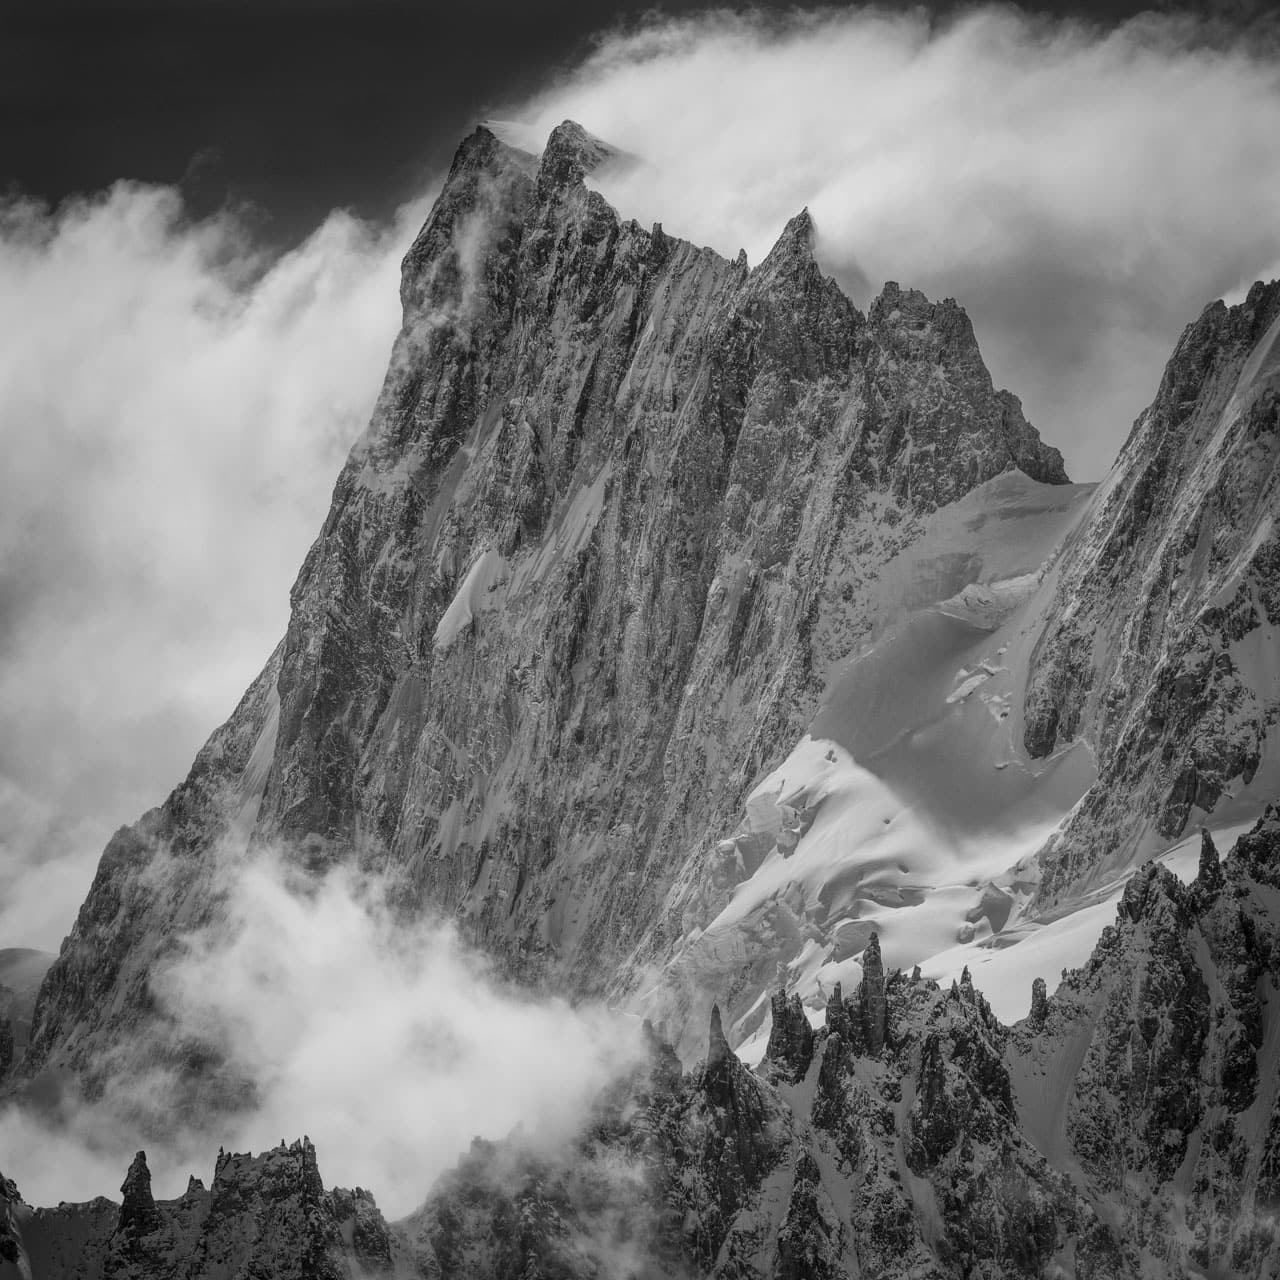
x=390 y=1045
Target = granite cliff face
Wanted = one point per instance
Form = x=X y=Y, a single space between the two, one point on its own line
x=580 y=585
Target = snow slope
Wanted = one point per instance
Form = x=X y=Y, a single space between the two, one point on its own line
x=909 y=800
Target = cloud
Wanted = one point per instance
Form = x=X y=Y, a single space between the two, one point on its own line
x=1082 y=192
x=174 y=408
x=390 y=1045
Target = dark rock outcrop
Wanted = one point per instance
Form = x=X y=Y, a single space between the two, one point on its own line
x=1039 y=1002
x=139 y=1216
x=872 y=1009
x=266 y=1215
x=580 y=587
x=790 y=1045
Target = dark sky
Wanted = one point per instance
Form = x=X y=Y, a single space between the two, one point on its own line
x=296 y=106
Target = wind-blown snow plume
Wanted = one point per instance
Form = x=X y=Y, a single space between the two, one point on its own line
x=1080 y=191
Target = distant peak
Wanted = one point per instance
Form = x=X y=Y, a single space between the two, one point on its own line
x=570 y=154
x=138 y=1214
x=898 y=304
x=795 y=244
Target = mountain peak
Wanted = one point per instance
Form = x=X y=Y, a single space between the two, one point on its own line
x=570 y=154
x=717 y=1046
x=793 y=249
x=800 y=227
x=476 y=150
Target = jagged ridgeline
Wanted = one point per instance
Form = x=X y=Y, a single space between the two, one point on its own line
x=1128 y=1127
x=580 y=585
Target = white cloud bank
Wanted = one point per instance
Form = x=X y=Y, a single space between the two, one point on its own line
x=1082 y=193
x=391 y=1047
x=173 y=412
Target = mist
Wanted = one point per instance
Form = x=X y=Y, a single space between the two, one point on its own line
x=390 y=1046
x=1082 y=192
x=174 y=407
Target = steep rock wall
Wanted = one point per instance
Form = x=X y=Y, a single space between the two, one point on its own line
x=578 y=587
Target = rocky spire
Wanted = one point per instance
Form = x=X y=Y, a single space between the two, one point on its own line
x=665 y=1071
x=896 y=305
x=718 y=1050
x=1039 y=1002
x=724 y=1079
x=138 y=1214
x=790 y=1037
x=1209 y=881
x=916 y=328
x=6 y=1046
x=309 y=1166
x=1146 y=888
x=838 y=1021
x=871 y=999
